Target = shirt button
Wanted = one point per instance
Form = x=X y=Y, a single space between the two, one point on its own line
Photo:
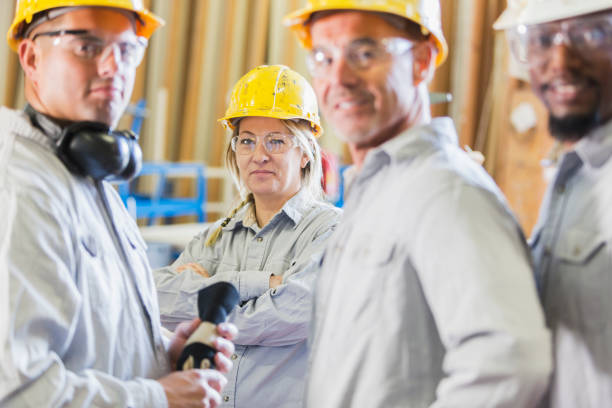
x=226 y=398
x=234 y=356
x=259 y=239
x=560 y=189
x=547 y=251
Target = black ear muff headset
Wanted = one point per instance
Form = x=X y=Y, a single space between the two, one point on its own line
x=93 y=149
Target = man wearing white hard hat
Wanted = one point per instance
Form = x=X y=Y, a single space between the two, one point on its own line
x=84 y=327
x=425 y=295
x=567 y=48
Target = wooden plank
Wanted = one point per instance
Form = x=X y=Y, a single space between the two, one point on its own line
x=212 y=71
x=468 y=56
x=194 y=74
x=258 y=35
x=442 y=78
x=179 y=26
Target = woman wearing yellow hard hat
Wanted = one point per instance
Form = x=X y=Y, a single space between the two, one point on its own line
x=268 y=246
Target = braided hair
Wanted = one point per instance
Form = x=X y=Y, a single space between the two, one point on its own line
x=215 y=235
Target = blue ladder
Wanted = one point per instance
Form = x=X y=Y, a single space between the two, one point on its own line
x=158 y=204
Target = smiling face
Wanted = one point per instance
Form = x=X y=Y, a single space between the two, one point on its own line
x=71 y=88
x=269 y=176
x=365 y=107
x=575 y=86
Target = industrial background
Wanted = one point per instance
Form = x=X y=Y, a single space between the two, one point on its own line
x=207 y=45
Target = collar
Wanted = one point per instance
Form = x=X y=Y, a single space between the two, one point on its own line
x=596 y=148
x=409 y=144
x=44 y=123
x=295 y=208
x=21 y=124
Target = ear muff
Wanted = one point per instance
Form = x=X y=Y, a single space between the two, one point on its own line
x=92 y=149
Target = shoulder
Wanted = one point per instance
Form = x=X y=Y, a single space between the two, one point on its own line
x=320 y=218
x=324 y=212
x=31 y=163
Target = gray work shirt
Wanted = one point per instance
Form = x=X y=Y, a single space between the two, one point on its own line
x=572 y=249
x=84 y=325
x=426 y=296
x=271 y=354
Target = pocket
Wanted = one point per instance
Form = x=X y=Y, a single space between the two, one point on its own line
x=584 y=266
x=101 y=287
x=370 y=266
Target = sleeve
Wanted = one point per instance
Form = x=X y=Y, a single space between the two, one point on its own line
x=483 y=299
x=45 y=314
x=268 y=317
x=175 y=291
x=281 y=316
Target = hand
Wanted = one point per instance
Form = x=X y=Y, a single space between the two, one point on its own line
x=193 y=388
x=223 y=344
x=197 y=268
x=275 y=281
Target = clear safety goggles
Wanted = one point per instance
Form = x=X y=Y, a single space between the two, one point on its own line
x=532 y=45
x=360 y=54
x=274 y=143
x=86 y=45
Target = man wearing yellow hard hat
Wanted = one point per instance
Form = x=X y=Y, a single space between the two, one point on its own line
x=425 y=295
x=84 y=319
x=566 y=46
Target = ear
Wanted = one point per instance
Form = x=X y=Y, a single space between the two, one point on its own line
x=304 y=161
x=29 y=57
x=423 y=68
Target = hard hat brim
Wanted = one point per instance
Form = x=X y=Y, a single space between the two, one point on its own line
x=226 y=121
x=147 y=25
x=540 y=14
x=296 y=22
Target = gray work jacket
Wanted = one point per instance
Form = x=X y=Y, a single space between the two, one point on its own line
x=426 y=296
x=84 y=325
x=572 y=249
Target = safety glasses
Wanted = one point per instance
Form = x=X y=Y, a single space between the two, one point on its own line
x=274 y=143
x=360 y=54
x=86 y=45
x=586 y=36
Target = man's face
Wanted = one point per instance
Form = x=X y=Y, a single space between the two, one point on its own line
x=366 y=107
x=71 y=87
x=573 y=79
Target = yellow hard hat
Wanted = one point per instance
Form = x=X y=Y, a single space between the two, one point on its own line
x=425 y=13
x=273 y=91
x=26 y=9
x=531 y=12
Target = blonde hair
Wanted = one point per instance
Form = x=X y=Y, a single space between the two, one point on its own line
x=310 y=175
x=215 y=235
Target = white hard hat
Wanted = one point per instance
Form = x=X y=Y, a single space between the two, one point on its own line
x=528 y=12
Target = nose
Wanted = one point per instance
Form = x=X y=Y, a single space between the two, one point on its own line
x=260 y=154
x=342 y=73
x=562 y=57
x=109 y=62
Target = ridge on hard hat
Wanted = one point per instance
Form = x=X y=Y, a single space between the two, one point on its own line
x=425 y=13
x=273 y=91
x=26 y=9
x=529 y=12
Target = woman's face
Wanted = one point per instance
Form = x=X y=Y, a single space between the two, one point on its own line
x=275 y=176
